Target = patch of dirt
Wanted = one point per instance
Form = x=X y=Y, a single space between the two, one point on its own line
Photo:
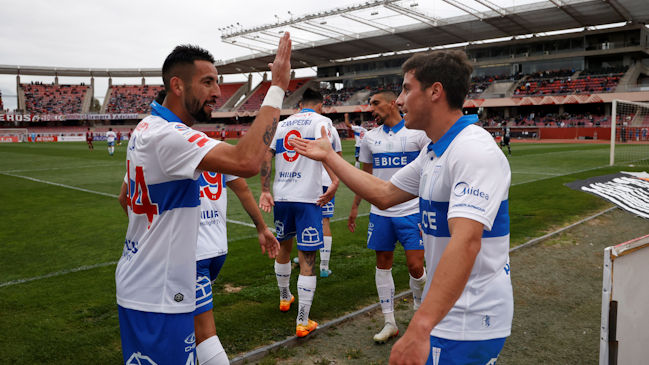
x=229 y=288
x=557 y=294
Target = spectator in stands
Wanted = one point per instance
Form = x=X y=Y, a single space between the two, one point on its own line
x=54 y=99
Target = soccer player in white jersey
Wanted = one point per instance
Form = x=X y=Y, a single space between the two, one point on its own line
x=156 y=275
x=212 y=250
x=329 y=187
x=462 y=179
x=359 y=134
x=384 y=151
x=297 y=205
x=110 y=140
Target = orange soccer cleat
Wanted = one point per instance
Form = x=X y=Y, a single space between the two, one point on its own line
x=302 y=330
x=285 y=305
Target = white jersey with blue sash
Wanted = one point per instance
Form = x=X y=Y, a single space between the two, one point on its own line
x=337 y=147
x=213 y=232
x=157 y=270
x=298 y=178
x=359 y=134
x=465 y=174
x=389 y=150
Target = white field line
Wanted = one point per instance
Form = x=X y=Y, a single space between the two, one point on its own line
x=535 y=173
x=61 y=168
x=99 y=193
x=292 y=341
x=57 y=273
x=81 y=268
x=553 y=176
x=544 y=237
x=248 y=224
x=568 y=173
x=90 y=267
x=60 y=185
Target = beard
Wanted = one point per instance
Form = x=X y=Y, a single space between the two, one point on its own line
x=196 y=109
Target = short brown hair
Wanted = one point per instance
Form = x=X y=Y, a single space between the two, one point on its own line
x=388 y=95
x=450 y=68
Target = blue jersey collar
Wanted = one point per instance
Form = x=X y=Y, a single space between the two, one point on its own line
x=440 y=147
x=307 y=110
x=396 y=128
x=164 y=113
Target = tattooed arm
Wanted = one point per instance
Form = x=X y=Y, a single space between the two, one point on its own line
x=266 y=199
x=244 y=159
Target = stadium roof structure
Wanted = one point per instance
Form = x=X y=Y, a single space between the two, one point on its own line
x=388 y=27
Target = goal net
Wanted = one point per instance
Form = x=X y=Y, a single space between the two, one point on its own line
x=629 y=133
x=13 y=135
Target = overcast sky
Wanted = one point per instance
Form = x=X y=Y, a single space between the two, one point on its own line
x=136 y=33
x=124 y=33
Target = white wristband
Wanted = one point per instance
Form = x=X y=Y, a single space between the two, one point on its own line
x=274 y=97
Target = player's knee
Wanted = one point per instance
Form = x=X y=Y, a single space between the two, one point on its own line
x=307 y=264
x=204 y=326
x=384 y=259
x=415 y=265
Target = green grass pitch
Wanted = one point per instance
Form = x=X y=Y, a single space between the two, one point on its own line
x=62 y=230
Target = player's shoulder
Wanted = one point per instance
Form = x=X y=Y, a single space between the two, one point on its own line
x=413 y=132
x=321 y=118
x=376 y=131
x=474 y=143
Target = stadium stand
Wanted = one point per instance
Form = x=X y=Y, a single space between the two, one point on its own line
x=227 y=90
x=54 y=99
x=131 y=98
x=569 y=82
x=1 y=104
x=253 y=102
x=480 y=84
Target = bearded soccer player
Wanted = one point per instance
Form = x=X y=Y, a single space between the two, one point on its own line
x=297 y=205
x=156 y=275
x=384 y=151
x=462 y=180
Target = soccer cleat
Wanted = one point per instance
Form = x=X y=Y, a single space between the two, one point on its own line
x=324 y=273
x=285 y=305
x=389 y=330
x=302 y=330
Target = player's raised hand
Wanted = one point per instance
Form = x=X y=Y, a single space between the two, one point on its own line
x=266 y=202
x=315 y=150
x=281 y=66
x=268 y=243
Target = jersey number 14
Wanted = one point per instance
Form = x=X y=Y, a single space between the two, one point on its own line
x=138 y=198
